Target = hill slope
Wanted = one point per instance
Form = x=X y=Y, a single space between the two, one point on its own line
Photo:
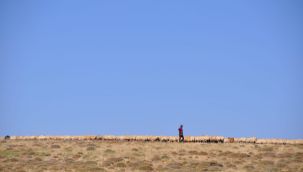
x=93 y=155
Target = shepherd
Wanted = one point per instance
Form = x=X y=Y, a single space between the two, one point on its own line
x=181 y=137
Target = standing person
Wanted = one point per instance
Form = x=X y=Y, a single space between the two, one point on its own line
x=181 y=137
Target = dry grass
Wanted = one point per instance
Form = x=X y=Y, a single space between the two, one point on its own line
x=51 y=155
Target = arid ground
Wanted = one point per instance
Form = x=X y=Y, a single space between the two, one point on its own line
x=52 y=155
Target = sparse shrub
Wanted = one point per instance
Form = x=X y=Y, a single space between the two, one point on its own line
x=91 y=163
x=158 y=147
x=38 y=159
x=267 y=148
x=182 y=150
x=174 y=153
x=138 y=154
x=135 y=149
x=30 y=152
x=164 y=157
x=214 y=163
x=69 y=160
x=174 y=165
x=266 y=163
x=109 y=151
x=77 y=156
x=299 y=146
x=193 y=152
x=239 y=162
x=230 y=165
x=55 y=146
x=212 y=154
x=249 y=167
x=91 y=144
x=13 y=160
x=184 y=163
x=107 y=163
x=45 y=154
x=235 y=155
x=8 y=153
x=69 y=149
x=284 y=155
x=299 y=155
x=202 y=166
x=146 y=168
x=268 y=154
x=209 y=166
x=95 y=169
x=256 y=146
x=141 y=165
x=111 y=161
x=281 y=164
x=90 y=148
x=18 y=170
x=156 y=158
x=37 y=145
x=213 y=168
x=202 y=153
x=181 y=153
x=121 y=165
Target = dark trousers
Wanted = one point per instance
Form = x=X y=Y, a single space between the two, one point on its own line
x=181 y=138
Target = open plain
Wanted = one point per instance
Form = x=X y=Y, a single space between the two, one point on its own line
x=94 y=155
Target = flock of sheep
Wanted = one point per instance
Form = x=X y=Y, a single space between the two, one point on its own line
x=201 y=139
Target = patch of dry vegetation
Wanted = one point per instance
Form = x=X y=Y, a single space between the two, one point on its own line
x=51 y=155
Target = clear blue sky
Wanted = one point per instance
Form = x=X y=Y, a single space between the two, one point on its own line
x=231 y=68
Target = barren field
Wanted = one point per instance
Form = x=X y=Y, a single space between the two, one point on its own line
x=68 y=155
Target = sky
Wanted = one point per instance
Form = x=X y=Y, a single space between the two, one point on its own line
x=228 y=68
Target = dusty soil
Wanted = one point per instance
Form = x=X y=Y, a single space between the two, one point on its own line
x=51 y=155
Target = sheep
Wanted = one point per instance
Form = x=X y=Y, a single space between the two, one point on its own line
x=229 y=140
x=118 y=138
x=132 y=138
x=41 y=137
x=164 y=139
x=173 y=138
x=272 y=141
x=192 y=139
x=250 y=140
x=145 y=138
x=239 y=140
x=220 y=139
x=245 y=140
x=203 y=139
x=260 y=141
x=195 y=139
x=108 y=137
x=293 y=142
x=216 y=139
x=155 y=138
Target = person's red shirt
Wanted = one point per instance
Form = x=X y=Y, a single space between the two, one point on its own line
x=181 y=131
